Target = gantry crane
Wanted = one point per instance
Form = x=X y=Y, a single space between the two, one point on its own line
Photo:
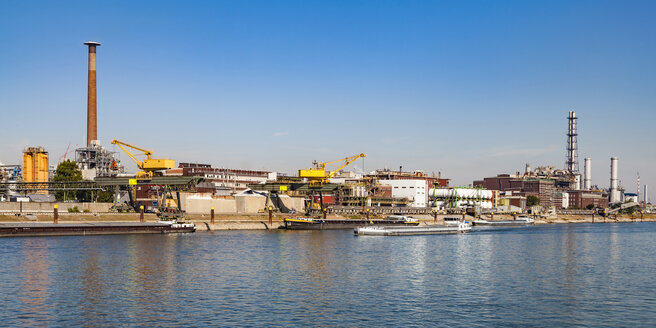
x=149 y=166
x=318 y=173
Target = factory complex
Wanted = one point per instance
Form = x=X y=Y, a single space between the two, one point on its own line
x=97 y=176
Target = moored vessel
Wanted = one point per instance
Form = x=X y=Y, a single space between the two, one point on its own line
x=520 y=221
x=305 y=223
x=462 y=227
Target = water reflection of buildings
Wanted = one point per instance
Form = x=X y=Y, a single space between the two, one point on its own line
x=35 y=281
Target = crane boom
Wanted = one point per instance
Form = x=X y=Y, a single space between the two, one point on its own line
x=347 y=162
x=318 y=172
x=120 y=144
x=148 y=165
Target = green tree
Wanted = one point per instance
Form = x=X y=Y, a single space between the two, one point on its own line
x=67 y=171
x=532 y=200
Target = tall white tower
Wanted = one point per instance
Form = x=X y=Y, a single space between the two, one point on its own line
x=646 y=196
x=614 y=192
x=587 y=181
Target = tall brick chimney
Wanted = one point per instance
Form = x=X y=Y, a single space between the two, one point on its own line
x=92 y=122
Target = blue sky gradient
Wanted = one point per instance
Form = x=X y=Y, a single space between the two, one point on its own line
x=466 y=88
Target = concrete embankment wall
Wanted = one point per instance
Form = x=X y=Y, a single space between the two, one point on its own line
x=240 y=204
x=33 y=207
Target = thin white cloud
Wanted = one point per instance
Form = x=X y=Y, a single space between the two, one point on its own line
x=280 y=134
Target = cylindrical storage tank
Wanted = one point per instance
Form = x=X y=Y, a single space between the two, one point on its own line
x=465 y=193
x=28 y=167
x=42 y=167
x=452 y=193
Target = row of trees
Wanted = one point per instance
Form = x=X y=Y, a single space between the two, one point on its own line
x=67 y=171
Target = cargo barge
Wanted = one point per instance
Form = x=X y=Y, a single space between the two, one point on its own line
x=91 y=228
x=334 y=224
x=520 y=221
x=463 y=227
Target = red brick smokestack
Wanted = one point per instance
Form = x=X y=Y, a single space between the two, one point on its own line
x=92 y=122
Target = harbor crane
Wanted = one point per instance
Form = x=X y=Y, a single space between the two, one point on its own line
x=318 y=174
x=150 y=166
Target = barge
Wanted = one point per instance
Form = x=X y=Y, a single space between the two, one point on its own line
x=520 y=221
x=463 y=227
x=330 y=224
x=92 y=228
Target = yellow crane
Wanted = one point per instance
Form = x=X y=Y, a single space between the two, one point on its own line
x=149 y=166
x=318 y=173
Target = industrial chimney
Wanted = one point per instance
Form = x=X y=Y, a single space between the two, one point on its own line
x=614 y=192
x=587 y=181
x=646 y=196
x=572 y=164
x=92 y=122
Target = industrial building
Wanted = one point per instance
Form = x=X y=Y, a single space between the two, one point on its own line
x=523 y=186
x=96 y=161
x=560 y=188
x=222 y=181
x=585 y=198
x=431 y=181
x=416 y=191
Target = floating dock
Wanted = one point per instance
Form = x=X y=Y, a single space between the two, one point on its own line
x=91 y=228
x=330 y=224
x=408 y=231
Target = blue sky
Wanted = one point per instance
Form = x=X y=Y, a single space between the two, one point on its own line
x=467 y=88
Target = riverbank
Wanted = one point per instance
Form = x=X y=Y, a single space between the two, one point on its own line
x=261 y=221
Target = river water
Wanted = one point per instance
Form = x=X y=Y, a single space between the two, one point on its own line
x=550 y=275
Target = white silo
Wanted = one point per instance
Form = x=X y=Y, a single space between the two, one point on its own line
x=614 y=192
x=587 y=181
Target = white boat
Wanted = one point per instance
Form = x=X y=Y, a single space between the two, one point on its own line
x=415 y=230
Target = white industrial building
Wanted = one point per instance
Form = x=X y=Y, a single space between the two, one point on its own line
x=414 y=190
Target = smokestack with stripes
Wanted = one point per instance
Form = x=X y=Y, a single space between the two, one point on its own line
x=92 y=122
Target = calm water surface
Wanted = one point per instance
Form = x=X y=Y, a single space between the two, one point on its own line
x=554 y=275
